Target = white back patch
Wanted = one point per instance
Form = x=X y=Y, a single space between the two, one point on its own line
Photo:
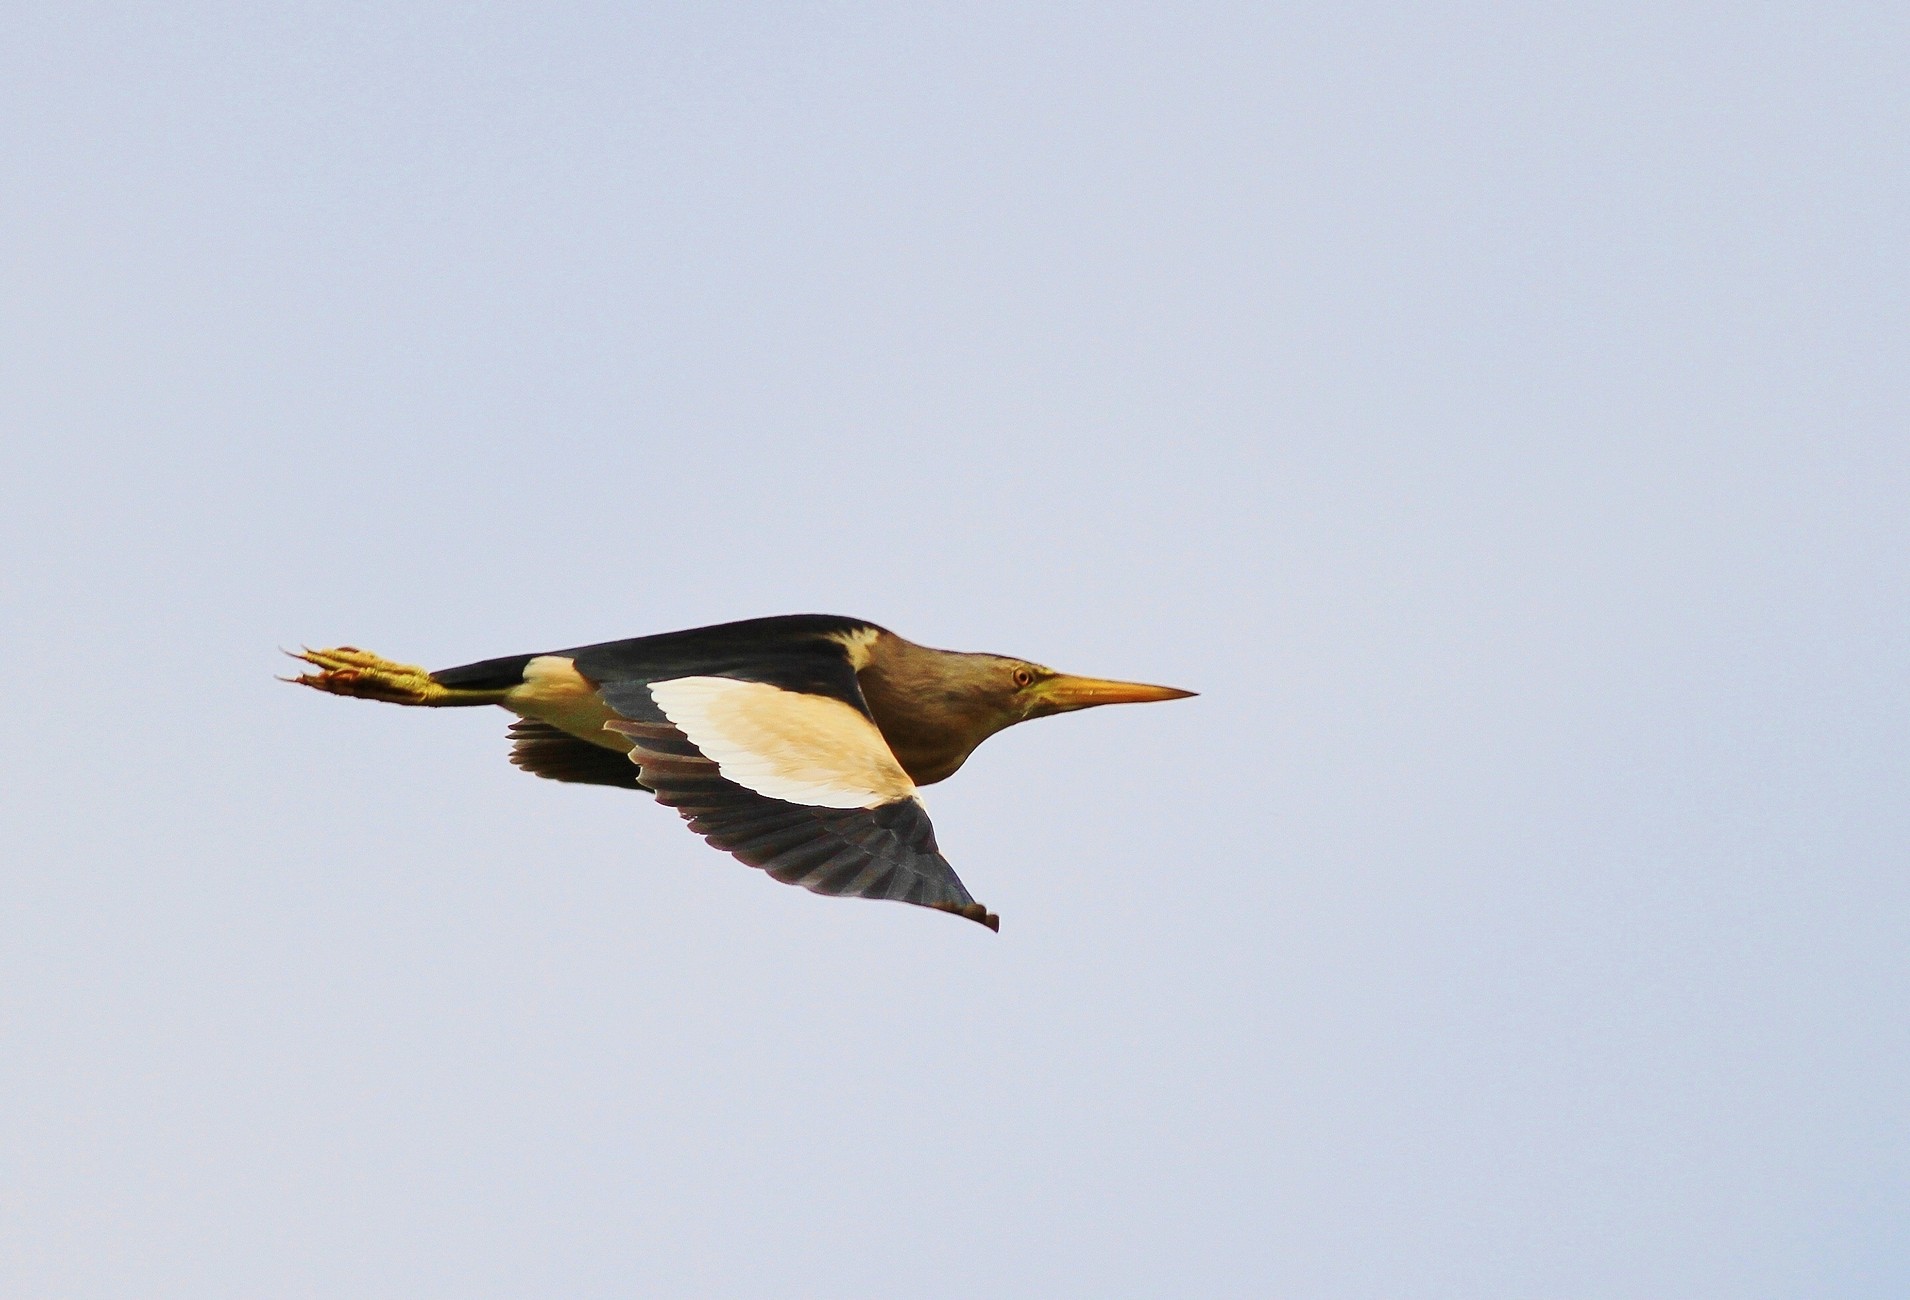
x=807 y=749
x=859 y=643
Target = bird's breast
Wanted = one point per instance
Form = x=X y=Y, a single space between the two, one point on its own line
x=929 y=743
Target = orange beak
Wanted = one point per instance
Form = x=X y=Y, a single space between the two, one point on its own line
x=1062 y=693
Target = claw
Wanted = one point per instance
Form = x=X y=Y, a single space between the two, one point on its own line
x=347 y=670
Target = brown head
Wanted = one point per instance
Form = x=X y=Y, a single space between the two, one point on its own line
x=935 y=706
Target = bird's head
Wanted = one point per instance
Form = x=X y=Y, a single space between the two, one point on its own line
x=935 y=706
x=997 y=691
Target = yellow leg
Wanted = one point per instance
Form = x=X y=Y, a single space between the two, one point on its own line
x=347 y=670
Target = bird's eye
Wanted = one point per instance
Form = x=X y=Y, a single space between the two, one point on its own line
x=1023 y=677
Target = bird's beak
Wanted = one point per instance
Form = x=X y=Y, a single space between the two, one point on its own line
x=1063 y=693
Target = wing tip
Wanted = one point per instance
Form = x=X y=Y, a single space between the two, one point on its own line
x=971 y=911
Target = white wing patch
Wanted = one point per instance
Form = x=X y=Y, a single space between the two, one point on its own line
x=807 y=749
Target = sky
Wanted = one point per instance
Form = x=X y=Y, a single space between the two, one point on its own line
x=1497 y=413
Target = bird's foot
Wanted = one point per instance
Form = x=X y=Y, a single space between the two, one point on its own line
x=347 y=670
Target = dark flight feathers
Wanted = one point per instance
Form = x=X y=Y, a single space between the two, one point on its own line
x=543 y=750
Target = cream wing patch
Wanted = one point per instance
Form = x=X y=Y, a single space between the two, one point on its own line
x=807 y=749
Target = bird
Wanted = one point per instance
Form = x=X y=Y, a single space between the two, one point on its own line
x=795 y=743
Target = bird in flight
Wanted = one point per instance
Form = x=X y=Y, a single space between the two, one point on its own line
x=794 y=743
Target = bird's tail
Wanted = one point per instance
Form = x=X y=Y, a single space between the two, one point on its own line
x=347 y=670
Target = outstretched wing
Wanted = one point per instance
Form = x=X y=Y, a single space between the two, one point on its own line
x=881 y=850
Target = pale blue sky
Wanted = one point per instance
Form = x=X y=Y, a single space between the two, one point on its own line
x=1497 y=413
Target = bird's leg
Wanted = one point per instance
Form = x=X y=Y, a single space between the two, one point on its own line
x=347 y=670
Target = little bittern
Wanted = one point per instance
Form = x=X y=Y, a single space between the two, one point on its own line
x=794 y=743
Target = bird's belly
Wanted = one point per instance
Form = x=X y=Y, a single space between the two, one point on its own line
x=554 y=691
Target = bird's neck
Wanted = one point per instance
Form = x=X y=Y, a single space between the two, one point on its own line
x=926 y=705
